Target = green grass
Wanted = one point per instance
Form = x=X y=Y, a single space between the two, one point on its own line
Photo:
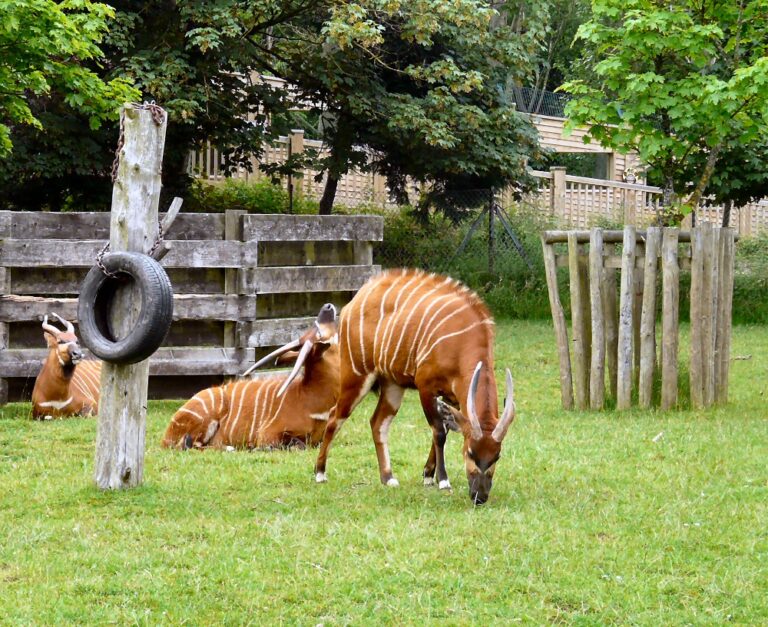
x=589 y=522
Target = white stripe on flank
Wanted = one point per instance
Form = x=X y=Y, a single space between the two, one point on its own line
x=232 y=418
x=445 y=337
x=194 y=413
x=404 y=326
x=242 y=385
x=57 y=404
x=199 y=397
x=212 y=397
x=363 y=300
x=220 y=412
x=381 y=317
x=417 y=336
x=257 y=413
x=426 y=344
x=266 y=415
x=381 y=360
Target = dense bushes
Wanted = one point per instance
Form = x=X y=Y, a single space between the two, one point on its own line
x=259 y=197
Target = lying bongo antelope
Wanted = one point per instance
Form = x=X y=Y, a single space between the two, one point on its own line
x=67 y=385
x=408 y=329
x=274 y=411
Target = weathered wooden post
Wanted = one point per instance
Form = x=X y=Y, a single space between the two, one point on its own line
x=134 y=228
x=557 y=192
x=626 y=306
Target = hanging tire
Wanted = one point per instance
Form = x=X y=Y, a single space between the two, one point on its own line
x=97 y=293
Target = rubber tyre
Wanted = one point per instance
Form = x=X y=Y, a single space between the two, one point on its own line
x=155 y=317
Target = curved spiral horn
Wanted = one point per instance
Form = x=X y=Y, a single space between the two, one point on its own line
x=308 y=344
x=509 y=411
x=70 y=328
x=274 y=354
x=49 y=327
x=474 y=422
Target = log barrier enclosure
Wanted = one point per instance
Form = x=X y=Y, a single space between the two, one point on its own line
x=242 y=283
x=614 y=318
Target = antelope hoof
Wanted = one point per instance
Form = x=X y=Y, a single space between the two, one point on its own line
x=392 y=482
x=429 y=481
x=47 y=417
x=321 y=477
x=444 y=484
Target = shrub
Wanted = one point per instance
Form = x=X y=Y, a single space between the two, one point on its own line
x=258 y=197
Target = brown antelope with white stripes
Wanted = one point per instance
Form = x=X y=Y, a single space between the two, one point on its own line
x=409 y=329
x=67 y=385
x=271 y=411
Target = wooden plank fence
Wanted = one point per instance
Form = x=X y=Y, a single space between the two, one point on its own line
x=242 y=284
x=621 y=343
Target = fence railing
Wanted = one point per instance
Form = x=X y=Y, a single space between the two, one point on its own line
x=575 y=201
x=241 y=283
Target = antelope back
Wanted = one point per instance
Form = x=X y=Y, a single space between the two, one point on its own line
x=403 y=319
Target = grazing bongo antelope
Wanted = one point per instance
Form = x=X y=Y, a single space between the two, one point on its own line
x=273 y=411
x=409 y=329
x=64 y=388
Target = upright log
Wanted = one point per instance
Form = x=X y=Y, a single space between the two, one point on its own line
x=648 y=318
x=626 y=306
x=133 y=227
x=561 y=332
x=724 y=317
x=611 y=319
x=597 y=367
x=578 y=326
x=670 y=314
x=697 y=312
x=710 y=320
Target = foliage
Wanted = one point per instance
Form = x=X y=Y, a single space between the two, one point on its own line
x=259 y=197
x=45 y=47
x=675 y=82
x=409 y=89
x=590 y=520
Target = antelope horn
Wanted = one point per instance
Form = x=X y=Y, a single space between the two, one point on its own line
x=67 y=324
x=509 y=411
x=49 y=327
x=474 y=423
x=308 y=344
x=276 y=353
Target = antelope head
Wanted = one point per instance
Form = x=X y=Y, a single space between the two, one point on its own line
x=310 y=346
x=64 y=343
x=482 y=447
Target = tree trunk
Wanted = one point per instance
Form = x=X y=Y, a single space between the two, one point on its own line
x=329 y=194
x=727 y=206
x=338 y=164
x=695 y=198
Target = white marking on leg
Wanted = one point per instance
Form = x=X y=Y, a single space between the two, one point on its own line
x=213 y=427
x=445 y=484
x=392 y=482
x=57 y=404
x=321 y=477
x=429 y=481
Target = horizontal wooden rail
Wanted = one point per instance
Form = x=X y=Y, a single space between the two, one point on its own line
x=287 y=279
x=270 y=228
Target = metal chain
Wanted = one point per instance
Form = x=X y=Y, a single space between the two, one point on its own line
x=158 y=114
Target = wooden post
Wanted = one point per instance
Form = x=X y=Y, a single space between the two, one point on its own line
x=670 y=315
x=5 y=288
x=578 y=325
x=624 y=357
x=724 y=318
x=710 y=321
x=557 y=192
x=648 y=318
x=233 y=230
x=133 y=227
x=697 y=286
x=597 y=369
x=610 y=316
x=637 y=309
x=561 y=332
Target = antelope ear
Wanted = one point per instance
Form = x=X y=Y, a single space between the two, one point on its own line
x=286 y=358
x=50 y=339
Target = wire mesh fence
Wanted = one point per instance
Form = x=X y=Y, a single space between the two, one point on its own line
x=470 y=235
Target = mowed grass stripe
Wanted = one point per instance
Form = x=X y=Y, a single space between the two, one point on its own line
x=589 y=520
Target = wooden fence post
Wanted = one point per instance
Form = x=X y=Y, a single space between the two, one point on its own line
x=725 y=301
x=670 y=317
x=648 y=318
x=557 y=192
x=626 y=301
x=611 y=317
x=697 y=288
x=579 y=324
x=233 y=230
x=133 y=227
x=558 y=319
x=597 y=369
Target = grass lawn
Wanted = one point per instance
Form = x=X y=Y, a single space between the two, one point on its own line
x=590 y=521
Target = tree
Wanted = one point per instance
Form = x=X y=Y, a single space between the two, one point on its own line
x=45 y=46
x=677 y=82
